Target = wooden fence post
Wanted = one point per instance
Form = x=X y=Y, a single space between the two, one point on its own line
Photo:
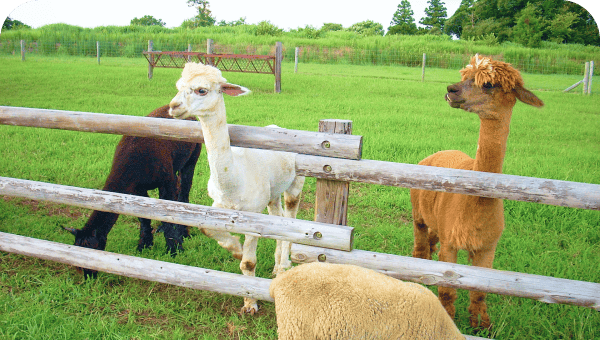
x=278 y=59
x=423 y=69
x=151 y=63
x=331 y=197
x=296 y=54
x=98 y=51
x=22 y=50
x=591 y=75
x=586 y=74
x=189 y=58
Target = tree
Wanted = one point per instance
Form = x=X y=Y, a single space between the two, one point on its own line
x=147 y=20
x=329 y=27
x=464 y=16
x=368 y=28
x=267 y=28
x=560 y=29
x=528 y=30
x=10 y=24
x=403 y=21
x=435 y=15
x=204 y=17
x=241 y=21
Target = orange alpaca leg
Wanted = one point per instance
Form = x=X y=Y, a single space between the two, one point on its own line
x=421 y=247
x=433 y=240
x=446 y=295
x=478 y=308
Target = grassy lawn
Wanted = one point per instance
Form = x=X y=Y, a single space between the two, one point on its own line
x=402 y=120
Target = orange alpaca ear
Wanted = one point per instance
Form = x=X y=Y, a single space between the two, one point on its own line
x=234 y=90
x=527 y=97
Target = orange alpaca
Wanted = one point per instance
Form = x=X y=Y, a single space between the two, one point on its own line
x=489 y=89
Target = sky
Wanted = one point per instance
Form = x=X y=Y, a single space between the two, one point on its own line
x=283 y=14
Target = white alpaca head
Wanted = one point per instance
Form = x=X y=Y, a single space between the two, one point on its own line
x=201 y=88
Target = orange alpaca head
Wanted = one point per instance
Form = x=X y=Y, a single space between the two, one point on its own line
x=489 y=87
x=484 y=70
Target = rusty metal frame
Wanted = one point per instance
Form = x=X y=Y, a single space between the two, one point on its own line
x=225 y=62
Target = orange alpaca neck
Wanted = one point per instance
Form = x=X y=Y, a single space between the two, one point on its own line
x=491 y=147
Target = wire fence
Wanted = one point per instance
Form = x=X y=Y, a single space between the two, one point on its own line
x=307 y=54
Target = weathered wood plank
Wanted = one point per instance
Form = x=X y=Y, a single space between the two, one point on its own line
x=537 y=287
x=260 y=225
x=518 y=188
x=139 y=268
x=315 y=143
x=331 y=197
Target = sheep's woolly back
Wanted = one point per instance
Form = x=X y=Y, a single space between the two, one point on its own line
x=483 y=70
x=332 y=301
x=210 y=73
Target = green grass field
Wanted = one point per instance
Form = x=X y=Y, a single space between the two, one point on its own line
x=402 y=120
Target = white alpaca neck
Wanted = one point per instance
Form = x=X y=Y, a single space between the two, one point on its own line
x=221 y=161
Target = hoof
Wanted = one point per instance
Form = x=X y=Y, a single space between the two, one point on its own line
x=278 y=270
x=144 y=245
x=249 y=309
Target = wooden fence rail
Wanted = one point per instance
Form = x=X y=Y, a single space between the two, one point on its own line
x=519 y=188
x=315 y=143
x=542 y=288
x=260 y=225
x=141 y=268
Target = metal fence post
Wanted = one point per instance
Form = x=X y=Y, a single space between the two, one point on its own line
x=98 y=51
x=586 y=78
x=591 y=75
x=278 y=59
x=296 y=54
x=22 y=50
x=423 y=68
x=151 y=63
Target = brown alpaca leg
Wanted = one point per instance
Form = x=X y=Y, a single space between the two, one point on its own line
x=421 y=246
x=446 y=295
x=478 y=308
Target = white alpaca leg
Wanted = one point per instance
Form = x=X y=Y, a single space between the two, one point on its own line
x=247 y=266
x=226 y=240
x=292 y=203
x=283 y=249
x=274 y=208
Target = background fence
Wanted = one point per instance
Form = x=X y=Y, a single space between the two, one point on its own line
x=554 y=64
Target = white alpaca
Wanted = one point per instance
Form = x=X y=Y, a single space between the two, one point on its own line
x=240 y=179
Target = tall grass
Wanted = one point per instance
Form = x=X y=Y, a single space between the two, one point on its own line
x=330 y=47
x=401 y=119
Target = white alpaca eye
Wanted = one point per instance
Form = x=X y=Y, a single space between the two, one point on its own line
x=201 y=92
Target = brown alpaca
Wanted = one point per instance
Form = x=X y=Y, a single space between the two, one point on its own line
x=489 y=89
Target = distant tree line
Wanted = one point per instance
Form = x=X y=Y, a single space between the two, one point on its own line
x=527 y=22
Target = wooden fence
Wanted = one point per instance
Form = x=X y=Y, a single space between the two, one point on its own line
x=332 y=157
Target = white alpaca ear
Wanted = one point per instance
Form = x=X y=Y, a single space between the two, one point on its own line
x=234 y=90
